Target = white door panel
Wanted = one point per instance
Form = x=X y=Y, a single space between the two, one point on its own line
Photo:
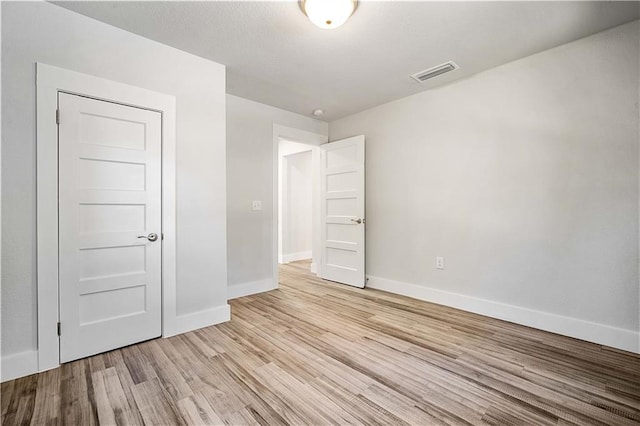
x=342 y=211
x=109 y=195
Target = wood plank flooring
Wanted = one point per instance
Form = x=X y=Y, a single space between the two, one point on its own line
x=319 y=353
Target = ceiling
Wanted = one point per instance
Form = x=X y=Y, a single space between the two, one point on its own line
x=274 y=54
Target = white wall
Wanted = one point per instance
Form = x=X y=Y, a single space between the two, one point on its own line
x=42 y=32
x=296 y=192
x=525 y=178
x=250 y=173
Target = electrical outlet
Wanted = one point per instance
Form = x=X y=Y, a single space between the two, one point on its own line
x=439 y=262
x=256 y=205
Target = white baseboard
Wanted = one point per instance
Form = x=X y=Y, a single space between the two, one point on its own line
x=314 y=268
x=602 y=334
x=294 y=257
x=200 y=319
x=247 y=289
x=19 y=365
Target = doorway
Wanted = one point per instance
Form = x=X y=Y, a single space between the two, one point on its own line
x=295 y=202
x=308 y=140
x=338 y=205
x=108 y=198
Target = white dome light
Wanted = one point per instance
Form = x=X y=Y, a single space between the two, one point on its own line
x=328 y=14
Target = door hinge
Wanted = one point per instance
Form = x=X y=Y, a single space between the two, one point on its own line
x=57 y=116
x=59 y=328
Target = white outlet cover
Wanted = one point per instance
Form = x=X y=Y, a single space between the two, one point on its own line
x=256 y=205
x=439 y=262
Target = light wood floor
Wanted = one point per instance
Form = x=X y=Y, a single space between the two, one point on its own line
x=317 y=353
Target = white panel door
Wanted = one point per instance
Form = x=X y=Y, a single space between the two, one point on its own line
x=110 y=225
x=342 y=211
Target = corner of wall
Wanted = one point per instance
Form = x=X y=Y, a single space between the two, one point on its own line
x=294 y=257
x=193 y=321
x=250 y=288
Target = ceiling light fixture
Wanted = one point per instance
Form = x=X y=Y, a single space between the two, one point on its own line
x=328 y=14
x=318 y=112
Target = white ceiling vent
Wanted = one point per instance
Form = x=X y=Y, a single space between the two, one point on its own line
x=425 y=75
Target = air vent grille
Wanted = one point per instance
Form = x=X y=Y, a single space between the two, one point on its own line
x=425 y=75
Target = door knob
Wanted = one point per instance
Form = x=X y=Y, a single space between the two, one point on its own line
x=358 y=221
x=151 y=237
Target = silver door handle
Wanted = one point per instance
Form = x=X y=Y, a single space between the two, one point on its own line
x=151 y=237
x=358 y=221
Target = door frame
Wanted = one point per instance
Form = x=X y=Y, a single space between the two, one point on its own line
x=308 y=138
x=50 y=81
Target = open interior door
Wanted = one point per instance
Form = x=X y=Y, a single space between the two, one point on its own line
x=342 y=211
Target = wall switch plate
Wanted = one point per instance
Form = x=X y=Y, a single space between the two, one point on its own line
x=439 y=262
x=256 y=205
